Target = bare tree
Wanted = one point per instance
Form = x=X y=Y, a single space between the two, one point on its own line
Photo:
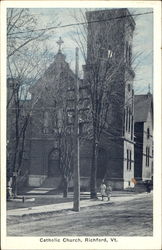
x=57 y=102
x=65 y=150
x=104 y=76
x=19 y=112
x=65 y=118
x=27 y=55
x=81 y=31
x=23 y=28
x=101 y=83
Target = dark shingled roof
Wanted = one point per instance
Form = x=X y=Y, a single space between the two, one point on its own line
x=142 y=105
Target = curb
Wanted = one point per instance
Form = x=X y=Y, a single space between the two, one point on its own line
x=20 y=212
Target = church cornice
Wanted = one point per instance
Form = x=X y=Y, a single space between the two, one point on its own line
x=43 y=138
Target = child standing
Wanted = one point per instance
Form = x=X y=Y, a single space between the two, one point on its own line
x=108 y=191
x=103 y=190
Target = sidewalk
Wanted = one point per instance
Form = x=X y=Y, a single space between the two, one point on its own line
x=69 y=205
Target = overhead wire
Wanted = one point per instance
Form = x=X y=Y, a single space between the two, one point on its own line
x=83 y=23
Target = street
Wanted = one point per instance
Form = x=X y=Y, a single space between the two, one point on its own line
x=124 y=218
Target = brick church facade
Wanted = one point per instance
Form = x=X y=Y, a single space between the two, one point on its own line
x=109 y=44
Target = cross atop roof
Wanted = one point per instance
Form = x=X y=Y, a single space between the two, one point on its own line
x=60 y=42
x=149 y=88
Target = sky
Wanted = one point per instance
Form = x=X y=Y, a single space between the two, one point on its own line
x=142 y=41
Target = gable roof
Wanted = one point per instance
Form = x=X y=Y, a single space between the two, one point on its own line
x=142 y=105
x=51 y=74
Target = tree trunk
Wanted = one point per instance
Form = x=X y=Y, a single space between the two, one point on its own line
x=14 y=186
x=65 y=188
x=93 y=184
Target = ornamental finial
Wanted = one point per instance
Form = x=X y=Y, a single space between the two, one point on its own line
x=60 y=42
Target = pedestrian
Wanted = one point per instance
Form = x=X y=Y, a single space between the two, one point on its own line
x=108 y=191
x=103 y=189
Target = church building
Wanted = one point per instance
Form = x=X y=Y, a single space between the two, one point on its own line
x=52 y=125
x=108 y=75
x=110 y=42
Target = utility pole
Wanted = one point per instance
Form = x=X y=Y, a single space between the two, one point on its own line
x=76 y=177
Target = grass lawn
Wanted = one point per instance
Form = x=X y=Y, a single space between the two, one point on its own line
x=39 y=201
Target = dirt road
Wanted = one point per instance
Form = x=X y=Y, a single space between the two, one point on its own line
x=131 y=218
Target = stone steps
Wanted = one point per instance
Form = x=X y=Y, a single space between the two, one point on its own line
x=52 y=182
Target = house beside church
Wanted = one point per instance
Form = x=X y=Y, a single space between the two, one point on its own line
x=143 y=131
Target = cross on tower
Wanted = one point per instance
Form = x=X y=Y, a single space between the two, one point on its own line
x=59 y=42
x=149 y=88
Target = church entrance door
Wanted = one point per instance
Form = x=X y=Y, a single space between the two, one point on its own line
x=53 y=163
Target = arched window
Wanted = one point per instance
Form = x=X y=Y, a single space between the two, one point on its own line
x=109 y=52
x=147 y=156
x=130 y=54
x=148 y=133
x=129 y=119
x=126 y=51
x=132 y=123
x=129 y=159
x=126 y=120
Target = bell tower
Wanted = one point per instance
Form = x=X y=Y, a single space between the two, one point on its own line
x=110 y=37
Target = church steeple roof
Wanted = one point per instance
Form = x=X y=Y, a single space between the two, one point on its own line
x=59 y=57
